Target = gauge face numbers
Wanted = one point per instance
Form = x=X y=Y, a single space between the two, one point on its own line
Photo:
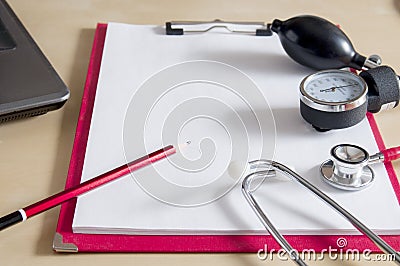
x=333 y=99
x=334 y=87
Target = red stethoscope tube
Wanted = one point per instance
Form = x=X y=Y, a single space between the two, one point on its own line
x=391 y=154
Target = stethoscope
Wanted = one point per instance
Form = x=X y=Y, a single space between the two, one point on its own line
x=348 y=169
x=349 y=166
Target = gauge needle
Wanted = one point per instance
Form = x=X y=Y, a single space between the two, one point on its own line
x=334 y=88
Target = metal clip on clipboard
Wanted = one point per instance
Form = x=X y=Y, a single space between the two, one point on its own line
x=267 y=168
x=247 y=28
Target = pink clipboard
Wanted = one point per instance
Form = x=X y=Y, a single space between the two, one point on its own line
x=67 y=241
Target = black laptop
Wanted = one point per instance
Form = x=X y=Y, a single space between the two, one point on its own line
x=29 y=85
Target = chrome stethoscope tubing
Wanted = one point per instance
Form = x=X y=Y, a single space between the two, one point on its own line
x=271 y=167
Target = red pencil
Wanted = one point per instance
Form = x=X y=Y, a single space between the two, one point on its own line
x=52 y=201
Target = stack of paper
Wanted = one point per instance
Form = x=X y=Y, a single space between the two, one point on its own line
x=147 y=95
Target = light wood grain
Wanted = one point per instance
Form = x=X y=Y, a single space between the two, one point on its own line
x=35 y=152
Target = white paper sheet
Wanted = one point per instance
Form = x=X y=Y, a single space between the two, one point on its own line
x=132 y=54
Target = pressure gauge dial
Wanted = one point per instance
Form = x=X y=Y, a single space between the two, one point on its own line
x=333 y=99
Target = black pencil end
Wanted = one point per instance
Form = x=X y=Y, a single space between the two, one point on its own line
x=10 y=219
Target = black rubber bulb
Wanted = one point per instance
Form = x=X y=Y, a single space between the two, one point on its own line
x=317 y=43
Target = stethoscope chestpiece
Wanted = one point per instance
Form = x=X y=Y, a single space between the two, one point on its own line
x=348 y=168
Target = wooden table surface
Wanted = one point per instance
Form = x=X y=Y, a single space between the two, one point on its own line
x=35 y=152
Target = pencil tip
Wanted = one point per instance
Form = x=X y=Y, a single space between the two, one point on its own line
x=184 y=144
